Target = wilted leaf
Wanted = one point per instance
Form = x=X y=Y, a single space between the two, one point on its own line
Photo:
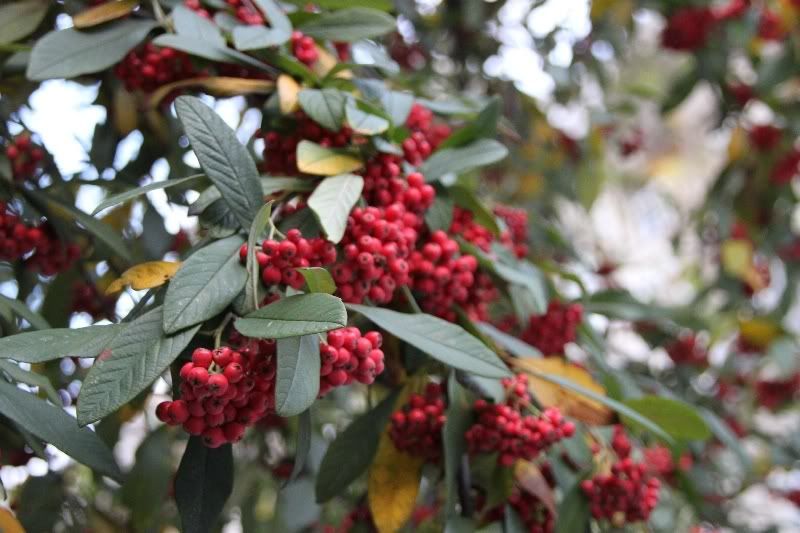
x=736 y=257
x=318 y=160
x=104 y=13
x=530 y=479
x=288 y=91
x=759 y=332
x=223 y=86
x=145 y=276
x=9 y=523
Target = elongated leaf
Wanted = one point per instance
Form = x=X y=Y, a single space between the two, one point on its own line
x=351 y=453
x=468 y=200
x=515 y=346
x=573 y=512
x=148 y=484
x=192 y=45
x=318 y=160
x=138 y=191
x=398 y=105
x=457 y=422
x=332 y=201
x=302 y=314
x=20 y=309
x=477 y=154
x=145 y=276
x=225 y=161
x=205 y=284
x=50 y=344
x=17 y=374
x=349 y=25
x=393 y=485
x=53 y=425
x=318 y=279
x=440 y=339
x=202 y=485
x=304 y=430
x=19 y=19
x=190 y=24
x=69 y=53
x=214 y=85
x=133 y=360
x=364 y=122
x=258 y=37
x=104 y=13
x=297 y=381
x=677 y=418
x=325 y=107
x=251 y=288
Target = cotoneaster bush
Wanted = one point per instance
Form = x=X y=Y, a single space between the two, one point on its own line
x=368 y=325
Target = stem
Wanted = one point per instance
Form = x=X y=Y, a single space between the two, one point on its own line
x=220 y=329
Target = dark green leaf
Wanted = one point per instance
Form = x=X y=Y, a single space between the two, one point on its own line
x=202 y=485
x=133 y=360
x=351 y=453
x=484 y=125
x=332 y=201
x=53 y=425
x=467 y=199
x=138 y=191
x=226 y=162
x=457 y=422
x=477 y=154
x=325 y=107
x=511 y=343
x=440 y=339
x=677 y=418
x=33 y=379
x=297 y=380
x=302 y=314
x=49 y=344
x=349 y=25
x=304 y=430
x=318 y=279
x=20 y=309
x=260 y=222
x=147 y=485
x=205 y=284
x=573 y=512
x=69 y=53
x=19 y=19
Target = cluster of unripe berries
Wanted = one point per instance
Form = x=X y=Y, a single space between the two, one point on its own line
x=687 y=350
x=628 y=493
x=376 y=245
x=242 y=9
x=86 y=298
x=349 y=356
x=223 y=392
x=278 y=260
x=280 y=148
x=24 y=157
x=148 y=67
x=304 y=48
x=505 y=430
x=442 y=278
x=550 y=332
x=417 y=427
x=38 y=246
x=385 y=185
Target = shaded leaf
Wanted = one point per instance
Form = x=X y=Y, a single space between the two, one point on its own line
x=202 y=485
x=20 y=309
x=297 y=379
x=303 y=447
x=19 y=19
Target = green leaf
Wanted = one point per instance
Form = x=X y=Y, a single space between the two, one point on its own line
x=511 y=343
x=349 y=25
x=364 y=122
x=19 y=308
x=318 y=160
x=318 y=279
x=573 y=512
x=50 y=344
x=477 y=154
x=138 y=191
x=69 y=53
x=302 y=314
x=467 y=199
x=19 y=19
x=440 y=214
x=325 y=107
x=457 y=422
x=147 y=485
x=226 y=162
x=332 y=201
x=203 y=484
x=133 y=360
x=440 y=339
x=398 y=105
x=53 y=425
x=269 y=185
x=297 y=380
x=33 y=379
x=484 y=125
x=193 y=46
x=190 y=24
x=260 y=222
x=351 y=453
x=383 y=5
x=258 y=37
x=205 y=284
x=677 y=418
x=303 y=447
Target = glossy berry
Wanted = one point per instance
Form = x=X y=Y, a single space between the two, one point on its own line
x=304 y=48
x=550 y=332
x=148 y=67
x=417 y=427
x=25 y=157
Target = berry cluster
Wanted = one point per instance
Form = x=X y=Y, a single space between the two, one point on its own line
x=349 y=356
x=417 y=427
x=244 y=10
x=223 y=391
x=660 y=462
x=629 y=493
x=550 y=332
x=24 y=156
x=280 y=148
x=775 y=393
x=517 y=222
x=443 y=279
x=304 y=48
x=87 y=299
x=39 y=246
x=384 y=185
x=688 y=28
x=376 y=247
x=425 y=135
x=278 y=261
x=504 y=429
x=687 y=350
x=148 y=67
x=465 y=225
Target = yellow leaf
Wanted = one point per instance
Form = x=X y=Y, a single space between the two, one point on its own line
x=393 y=486
x=9 y=523
x=145 y=276
x=104 y=13
x=288 y=89
x=215 y=85
x=125 y=108
x=737 y=257
x=325 y=63
x=569 y=402
x=318 y=160
x=530 y=479
x=759 y=332
x=737 y=146
x=119 y=217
